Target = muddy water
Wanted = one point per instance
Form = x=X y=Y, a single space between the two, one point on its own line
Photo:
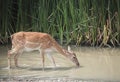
x=100 y=64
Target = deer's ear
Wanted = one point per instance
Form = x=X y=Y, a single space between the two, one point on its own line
x=69 y=48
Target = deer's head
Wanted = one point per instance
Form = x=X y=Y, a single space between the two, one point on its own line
x=72 y=56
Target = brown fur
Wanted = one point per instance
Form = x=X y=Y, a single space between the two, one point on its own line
x=44 y=41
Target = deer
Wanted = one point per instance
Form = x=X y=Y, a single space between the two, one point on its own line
x=42 y=42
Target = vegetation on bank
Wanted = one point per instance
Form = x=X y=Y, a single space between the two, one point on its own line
x=79 y=22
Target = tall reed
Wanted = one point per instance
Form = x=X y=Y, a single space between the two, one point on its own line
x=79 y=22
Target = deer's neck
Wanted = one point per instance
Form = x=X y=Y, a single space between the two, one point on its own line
x=61 y=50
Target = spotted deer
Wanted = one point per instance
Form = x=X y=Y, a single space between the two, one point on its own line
x=43 y=42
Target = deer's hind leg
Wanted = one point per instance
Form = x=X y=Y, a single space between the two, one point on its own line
x=16 y=58
x=15 y=52
x=9 y=58
x=10 y=54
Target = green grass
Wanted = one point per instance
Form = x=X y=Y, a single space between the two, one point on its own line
x=78 y=22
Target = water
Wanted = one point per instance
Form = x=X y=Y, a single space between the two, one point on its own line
x=97 y=64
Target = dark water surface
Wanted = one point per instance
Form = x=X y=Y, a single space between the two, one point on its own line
x=97 y=64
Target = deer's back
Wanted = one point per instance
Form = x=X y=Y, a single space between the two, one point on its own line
x=32 y=38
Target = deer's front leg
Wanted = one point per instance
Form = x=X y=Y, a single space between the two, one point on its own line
x=51 y=58
x=43 y=59
x=53 y=61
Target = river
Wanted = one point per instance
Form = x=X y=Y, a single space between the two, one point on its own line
x=97 y=64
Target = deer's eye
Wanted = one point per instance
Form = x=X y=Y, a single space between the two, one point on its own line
x=74 y=56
